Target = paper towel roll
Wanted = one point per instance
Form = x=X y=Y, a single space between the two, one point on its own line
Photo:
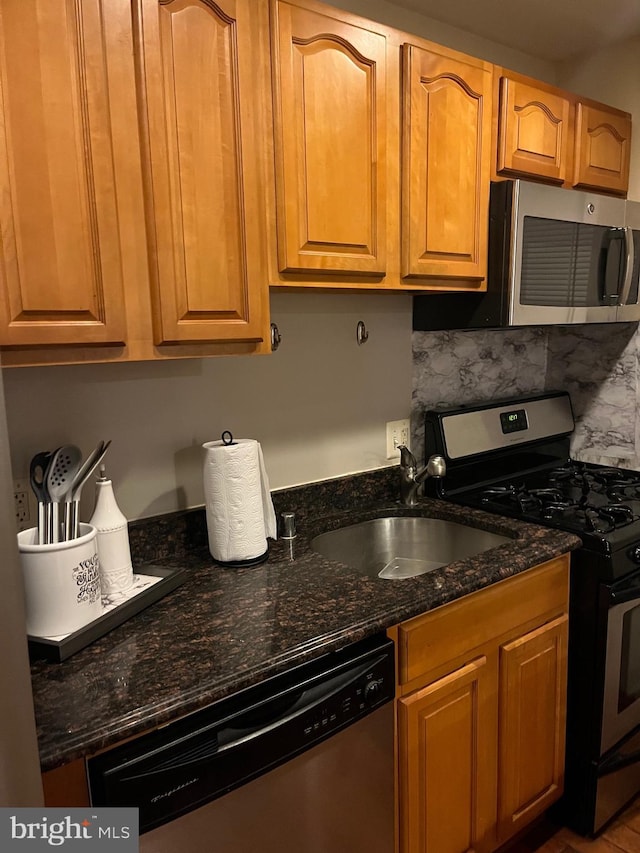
x=240 y=513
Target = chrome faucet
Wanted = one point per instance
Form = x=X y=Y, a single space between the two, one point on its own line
x=411 y=479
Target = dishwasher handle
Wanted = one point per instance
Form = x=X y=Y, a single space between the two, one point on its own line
x=309 y=700
x=252 y=724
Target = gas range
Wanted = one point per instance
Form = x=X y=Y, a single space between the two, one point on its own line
x=519 y=466
x=511 y=457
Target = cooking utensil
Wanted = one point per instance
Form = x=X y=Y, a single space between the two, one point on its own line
x=37 y=474
x=63 y=466
x=72 y=497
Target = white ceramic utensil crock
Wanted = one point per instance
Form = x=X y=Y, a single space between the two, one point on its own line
x=61 y=582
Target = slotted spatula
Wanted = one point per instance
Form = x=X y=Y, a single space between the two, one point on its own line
x=63 y=466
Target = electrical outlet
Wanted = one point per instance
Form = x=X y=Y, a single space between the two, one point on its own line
x=24 y=505
x=397 y=434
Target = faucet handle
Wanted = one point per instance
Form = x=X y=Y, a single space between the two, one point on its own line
x=436 y=466
x=407 y=459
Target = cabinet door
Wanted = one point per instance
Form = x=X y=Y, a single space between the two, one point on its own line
x=446 y=167
x=60 y=254
x=533 y=693
x=330 y=126
x=603 y=145
x=205 y=199
x=533 y=131
x=446 y=736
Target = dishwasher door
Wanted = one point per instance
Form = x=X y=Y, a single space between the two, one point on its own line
x=302 y=762
x=335 y=798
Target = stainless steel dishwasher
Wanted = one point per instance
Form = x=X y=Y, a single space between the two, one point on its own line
x=301 y=762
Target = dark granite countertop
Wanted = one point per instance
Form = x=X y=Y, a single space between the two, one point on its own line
x=225 y=629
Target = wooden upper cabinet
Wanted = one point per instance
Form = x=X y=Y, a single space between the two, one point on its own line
x=552 y=135
x=446 y=166
x=60 y=253
x=533 y=131
x=330 y=127
x=202 y=155
x=603 y=146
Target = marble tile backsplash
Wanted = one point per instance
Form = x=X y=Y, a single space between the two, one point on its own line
x=596 y=364
x=453 y=368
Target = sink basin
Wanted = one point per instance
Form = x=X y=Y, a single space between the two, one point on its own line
x=403 y=547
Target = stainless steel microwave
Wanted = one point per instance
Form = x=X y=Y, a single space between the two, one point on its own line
x=556 y=256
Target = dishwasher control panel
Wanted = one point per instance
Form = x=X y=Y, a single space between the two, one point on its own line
x=371 y=689
x=192 y=761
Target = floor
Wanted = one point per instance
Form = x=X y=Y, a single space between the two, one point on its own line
x=622 y=836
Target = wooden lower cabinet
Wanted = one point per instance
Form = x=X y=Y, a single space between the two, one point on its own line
x=532 y=717
x=67 y=786
x=481 y=736
x=448 y=780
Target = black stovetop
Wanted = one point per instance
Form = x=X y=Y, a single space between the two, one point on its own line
x=599 y=503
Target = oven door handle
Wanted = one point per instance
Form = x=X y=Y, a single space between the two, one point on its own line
x=619 y=762
x=624 y=592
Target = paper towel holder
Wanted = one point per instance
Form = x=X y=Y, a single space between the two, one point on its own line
x=237 y=529
x=242 y=564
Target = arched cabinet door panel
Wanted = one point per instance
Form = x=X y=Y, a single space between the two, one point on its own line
x=329 y=82
x=533 y=132
x=201 y=104
x=603 y=146
x=446 y=165
x=60 y=251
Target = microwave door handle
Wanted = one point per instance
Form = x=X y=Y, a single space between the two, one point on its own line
x=608 y=282
x=628 y=268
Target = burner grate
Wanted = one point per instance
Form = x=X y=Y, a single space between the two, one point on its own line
x=576 y=497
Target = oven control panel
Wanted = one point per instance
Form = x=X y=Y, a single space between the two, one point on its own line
x=514 y=420
x=472 y=430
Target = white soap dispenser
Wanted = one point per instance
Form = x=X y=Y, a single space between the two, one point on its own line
x=116 y=571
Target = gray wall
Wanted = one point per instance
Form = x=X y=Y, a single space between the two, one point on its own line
x=318 y=405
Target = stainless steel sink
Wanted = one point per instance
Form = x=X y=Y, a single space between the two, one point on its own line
x=403 y=547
